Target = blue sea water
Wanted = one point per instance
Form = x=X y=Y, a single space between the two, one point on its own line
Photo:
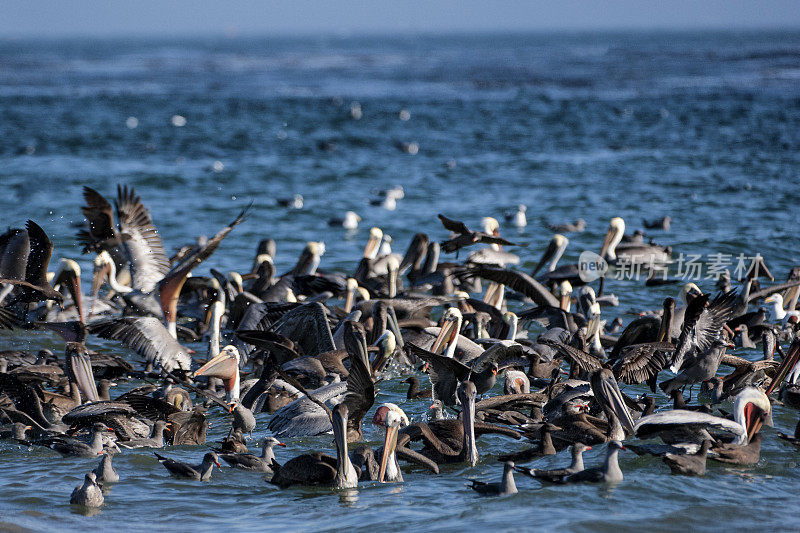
x=703 y=127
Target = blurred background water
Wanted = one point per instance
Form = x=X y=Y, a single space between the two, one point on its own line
x=701 y=126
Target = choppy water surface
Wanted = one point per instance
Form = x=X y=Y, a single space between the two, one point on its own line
x=702 y=127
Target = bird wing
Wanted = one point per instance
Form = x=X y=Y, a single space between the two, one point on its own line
x=100 y=216
x=638 y=331
x=149 y=407
x=179 y=272
x=454 y=225
x=640 y=362
x=14 y=250
x=517 y=281
x=41 y=248
x=505 y=353
x=360 y=388
x=149 y=262
x=491 y=239
x=587 y=362
x=686 y=420
x=148 y=337
x=711 y=321
x=95 y=411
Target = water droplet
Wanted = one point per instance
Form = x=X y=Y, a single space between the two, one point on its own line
x=404 y=114
x=218 y=166
x=178 y=121
x=132 y=122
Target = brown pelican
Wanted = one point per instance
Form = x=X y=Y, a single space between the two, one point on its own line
x=252 y=462
x=503 y=488
x=465 y=237
x=24 y=256
x=391 y=417
x=702 y=325
x=201 y=472
x=635 y=253
x=89 y=494
x=446 y=372
x=751 y=409
x=319 y=468
x=226 y=367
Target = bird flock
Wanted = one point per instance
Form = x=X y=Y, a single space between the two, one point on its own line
x=305 y=353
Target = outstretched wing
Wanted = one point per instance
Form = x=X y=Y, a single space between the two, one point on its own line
x=640 y=362
x=41 y=248
x=148 y=337
x=586 y=361
x=100 y=216
x=517 y=281
x=454 y=225
x=504 y=353
x=149 y=262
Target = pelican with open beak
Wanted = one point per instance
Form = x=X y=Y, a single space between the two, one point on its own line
x=752 y=409
x=70 y=276
x=447 y=339
x=391 y=417
x=373 y=243
x=226 y=367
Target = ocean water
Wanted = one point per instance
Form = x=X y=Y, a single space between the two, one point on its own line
x=703 y=127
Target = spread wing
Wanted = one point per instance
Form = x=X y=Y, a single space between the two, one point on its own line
x=149 y=262
x=41 y=248
x=148 y=337
x=14 y=249
x=641 y=362
x=454 y=225
x=444 y=373
x=100 y=216
x=360 y=389
x=587 y=362
x=505 y=353
x=517 y=281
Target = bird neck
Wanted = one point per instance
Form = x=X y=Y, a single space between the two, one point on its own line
x=112 y=280
x=508 y=481
x=205 y=473
x=611 y=465
x=577 y=462
x=268 y=453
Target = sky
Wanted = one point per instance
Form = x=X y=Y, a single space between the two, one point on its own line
x=101 y=18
